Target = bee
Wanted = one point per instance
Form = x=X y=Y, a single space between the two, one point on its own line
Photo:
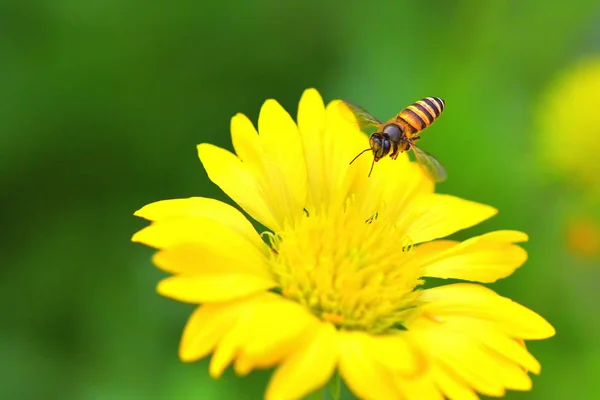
x=401 y=132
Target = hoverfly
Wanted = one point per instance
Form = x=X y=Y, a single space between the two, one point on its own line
x=400 y=133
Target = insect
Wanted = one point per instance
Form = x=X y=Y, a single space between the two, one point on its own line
x=400 y=133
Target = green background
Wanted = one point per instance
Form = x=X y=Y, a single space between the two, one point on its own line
x=103 y=102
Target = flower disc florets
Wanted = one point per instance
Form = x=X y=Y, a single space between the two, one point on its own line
x=350 y=270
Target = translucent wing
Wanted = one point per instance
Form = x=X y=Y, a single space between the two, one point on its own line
x=430 y=164
x=354 y=114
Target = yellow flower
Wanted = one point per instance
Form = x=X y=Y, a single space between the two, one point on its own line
x=335 y=285
x=569 y=127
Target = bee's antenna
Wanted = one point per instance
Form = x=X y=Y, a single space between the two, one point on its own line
x=359 y=154
x=371 y=170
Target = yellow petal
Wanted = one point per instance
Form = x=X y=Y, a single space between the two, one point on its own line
x=311 y=114
x=466 y=359
x=488 y=371
x=366 y=378
x=409 y=181
x=375 y=193
x=245 y=140
x=308 y=368
x=484 y=258
x=505 y=346
x=429 y=252
x=249 y=149
x=206 y=326
x=484 y=333
x=475 y=301
x=394 y=352
x=278 y=330
x=213 y=287
x=513 y=377
x=342 y=141
x=207 y=233
x=199 y=258
x=232 y=340
x=422 y=387
x=506 y=236
x=475 y=351
x=311 y=123
x=434 y=216
x=452 y=386
x=281 y=142
x=201 y=207
x=238 y=182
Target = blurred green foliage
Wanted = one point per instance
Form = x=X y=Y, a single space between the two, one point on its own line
x=103 y=103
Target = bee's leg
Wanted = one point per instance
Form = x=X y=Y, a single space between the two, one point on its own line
x=395 y=152
x=415 y=138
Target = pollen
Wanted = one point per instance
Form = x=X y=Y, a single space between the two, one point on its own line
x=355 y=272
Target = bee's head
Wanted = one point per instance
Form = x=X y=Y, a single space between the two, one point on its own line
x=380 y=145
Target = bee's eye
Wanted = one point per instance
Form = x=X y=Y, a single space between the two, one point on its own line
x=386 y=146
x=376 y=141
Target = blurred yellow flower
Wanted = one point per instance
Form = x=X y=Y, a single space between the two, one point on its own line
x=569 y=126
x=335 y=285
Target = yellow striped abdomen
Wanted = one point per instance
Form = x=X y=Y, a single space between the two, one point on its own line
x=420 y=114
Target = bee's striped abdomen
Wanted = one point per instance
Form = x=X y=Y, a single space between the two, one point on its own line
x=422 y=113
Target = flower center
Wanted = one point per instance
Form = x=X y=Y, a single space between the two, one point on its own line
x=355 y=272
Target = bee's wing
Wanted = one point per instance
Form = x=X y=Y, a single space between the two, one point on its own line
x=430 y=164
x=354 y=114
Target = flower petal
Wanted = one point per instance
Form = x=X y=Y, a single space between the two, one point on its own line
x=484 y=258
x=342 y=141
x=233 y=338
x=311 y=114
x=205 y=258
x=215 y=287
x=476 y=301
x=395 y=352
x=206 y=326
x=343 y=138
x=311 y=123
x=245 y=140
x=435 y=216
x=278 y=330
x=484 y=334
x=200 y=207
x=423 y=387
x=238 y=182
x=206 y=232
x=209 y=273
x=281 y=142
x=481 y=369
x=496 y=341
x=363 y=375
x=409 y=182
x=308 y=368
x=451 y=385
